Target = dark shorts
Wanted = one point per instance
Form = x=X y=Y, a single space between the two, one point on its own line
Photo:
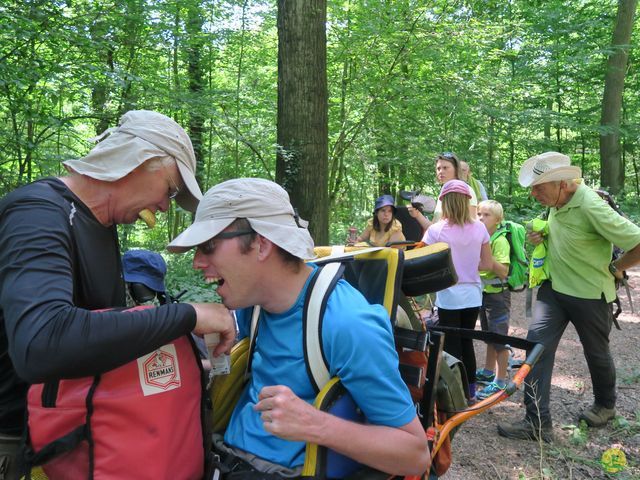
x=495 y=313
x=9 y=447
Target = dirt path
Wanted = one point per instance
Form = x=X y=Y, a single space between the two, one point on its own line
x=479 y=453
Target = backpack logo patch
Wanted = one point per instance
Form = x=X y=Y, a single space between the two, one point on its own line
x=159 y=371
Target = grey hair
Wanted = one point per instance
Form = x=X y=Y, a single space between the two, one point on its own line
x=157 y=163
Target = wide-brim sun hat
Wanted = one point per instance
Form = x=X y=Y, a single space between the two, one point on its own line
x=455 y=186
x=140 y=136
x=384 y=201
x=547 y=167
x=145 y=267
x=266 y=206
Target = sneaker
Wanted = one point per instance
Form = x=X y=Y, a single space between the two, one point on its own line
x=597 y=415
x=489 y=390
x=482 y=378
x=526 y=430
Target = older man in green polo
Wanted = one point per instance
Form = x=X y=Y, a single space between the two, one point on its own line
x=582 y=230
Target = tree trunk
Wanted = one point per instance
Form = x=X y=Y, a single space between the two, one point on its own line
x=194 y=54
x=490 y=150
x=100 y=89
x=512 y=156
x=240 y=72
x=611 y=171
x=301 y=162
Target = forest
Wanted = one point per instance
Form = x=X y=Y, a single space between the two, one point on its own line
x=341 y=101
x=401 y=80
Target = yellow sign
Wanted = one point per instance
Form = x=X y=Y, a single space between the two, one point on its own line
x=613 y=460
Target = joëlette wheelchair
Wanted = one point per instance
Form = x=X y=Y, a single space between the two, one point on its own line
x=390 y=277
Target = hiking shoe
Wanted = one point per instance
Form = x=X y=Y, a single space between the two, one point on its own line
x=526 y=430
x=489 y=390
x=597 y=415
x=482 y=378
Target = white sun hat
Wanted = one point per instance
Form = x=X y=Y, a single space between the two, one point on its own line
x=140 y=136
x=547 y=167
x=266 y=206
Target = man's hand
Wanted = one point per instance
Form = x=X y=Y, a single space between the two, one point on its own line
x=414 y=212
x=215 y=317
x=420 y=217
x=534 y=238
x=616 y=272
x=286 y=415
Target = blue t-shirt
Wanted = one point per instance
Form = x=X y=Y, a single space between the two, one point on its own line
x=358 y=343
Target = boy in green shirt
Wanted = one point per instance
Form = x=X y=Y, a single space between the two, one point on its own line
x=496 y=303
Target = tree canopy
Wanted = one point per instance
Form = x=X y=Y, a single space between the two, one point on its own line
x=493 y=81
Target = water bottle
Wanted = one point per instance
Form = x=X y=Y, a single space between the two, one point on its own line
x=353 y=234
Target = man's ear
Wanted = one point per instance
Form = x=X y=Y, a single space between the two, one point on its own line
x=264 y=246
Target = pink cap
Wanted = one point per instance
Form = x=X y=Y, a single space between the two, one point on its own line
x=457 y=186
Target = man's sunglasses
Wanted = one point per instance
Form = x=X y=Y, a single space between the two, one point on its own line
x=208 y=247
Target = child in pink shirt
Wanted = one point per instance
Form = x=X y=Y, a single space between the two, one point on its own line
x=468 y=239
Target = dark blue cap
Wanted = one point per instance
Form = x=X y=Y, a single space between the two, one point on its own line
x=383 y=201
x=145 y=267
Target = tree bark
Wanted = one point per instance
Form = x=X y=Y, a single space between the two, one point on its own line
x=195 y=41
x=611 y=171
x=301 y=161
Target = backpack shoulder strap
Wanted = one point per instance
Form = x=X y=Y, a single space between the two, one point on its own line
x=502 y=229
x=253 y=332
x=315 y=304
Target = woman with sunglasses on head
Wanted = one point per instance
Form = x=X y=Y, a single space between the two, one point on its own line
x=458 y=306
x=384 y=227
x=447 y=168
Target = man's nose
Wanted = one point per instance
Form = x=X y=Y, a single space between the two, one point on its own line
x=199 y=260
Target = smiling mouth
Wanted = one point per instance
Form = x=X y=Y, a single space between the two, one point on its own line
x=217 y=280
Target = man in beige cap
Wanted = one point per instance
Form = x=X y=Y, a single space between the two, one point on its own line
x=582 y=229
x=60 y=260
x=251 y=242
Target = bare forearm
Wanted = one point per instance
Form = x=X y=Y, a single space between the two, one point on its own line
x=629 y=259
x=423 y=221
x=500 y=269
x=364 y=236
x=399 y=451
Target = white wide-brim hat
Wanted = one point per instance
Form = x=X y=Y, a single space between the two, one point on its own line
x=140 y=136
x=547 y=167
x=266 y=206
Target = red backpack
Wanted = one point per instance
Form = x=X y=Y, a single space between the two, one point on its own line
x=143 y=420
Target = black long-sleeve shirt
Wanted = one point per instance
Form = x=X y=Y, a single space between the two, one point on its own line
x=57 y=264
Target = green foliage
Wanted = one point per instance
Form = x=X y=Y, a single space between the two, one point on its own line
x=630 y=378
x=579 y=434
x=493 y=81
x=182 y=277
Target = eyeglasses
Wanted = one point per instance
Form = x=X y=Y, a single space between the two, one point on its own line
x=172 y=194
x=208 y=247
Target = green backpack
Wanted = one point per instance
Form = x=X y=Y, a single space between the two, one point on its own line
x=518 y=266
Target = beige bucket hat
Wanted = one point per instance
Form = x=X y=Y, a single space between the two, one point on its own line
x=140 y=136
x=547 y=167
x=266 y=206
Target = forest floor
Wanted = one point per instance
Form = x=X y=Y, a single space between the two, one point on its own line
x=480 y=453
